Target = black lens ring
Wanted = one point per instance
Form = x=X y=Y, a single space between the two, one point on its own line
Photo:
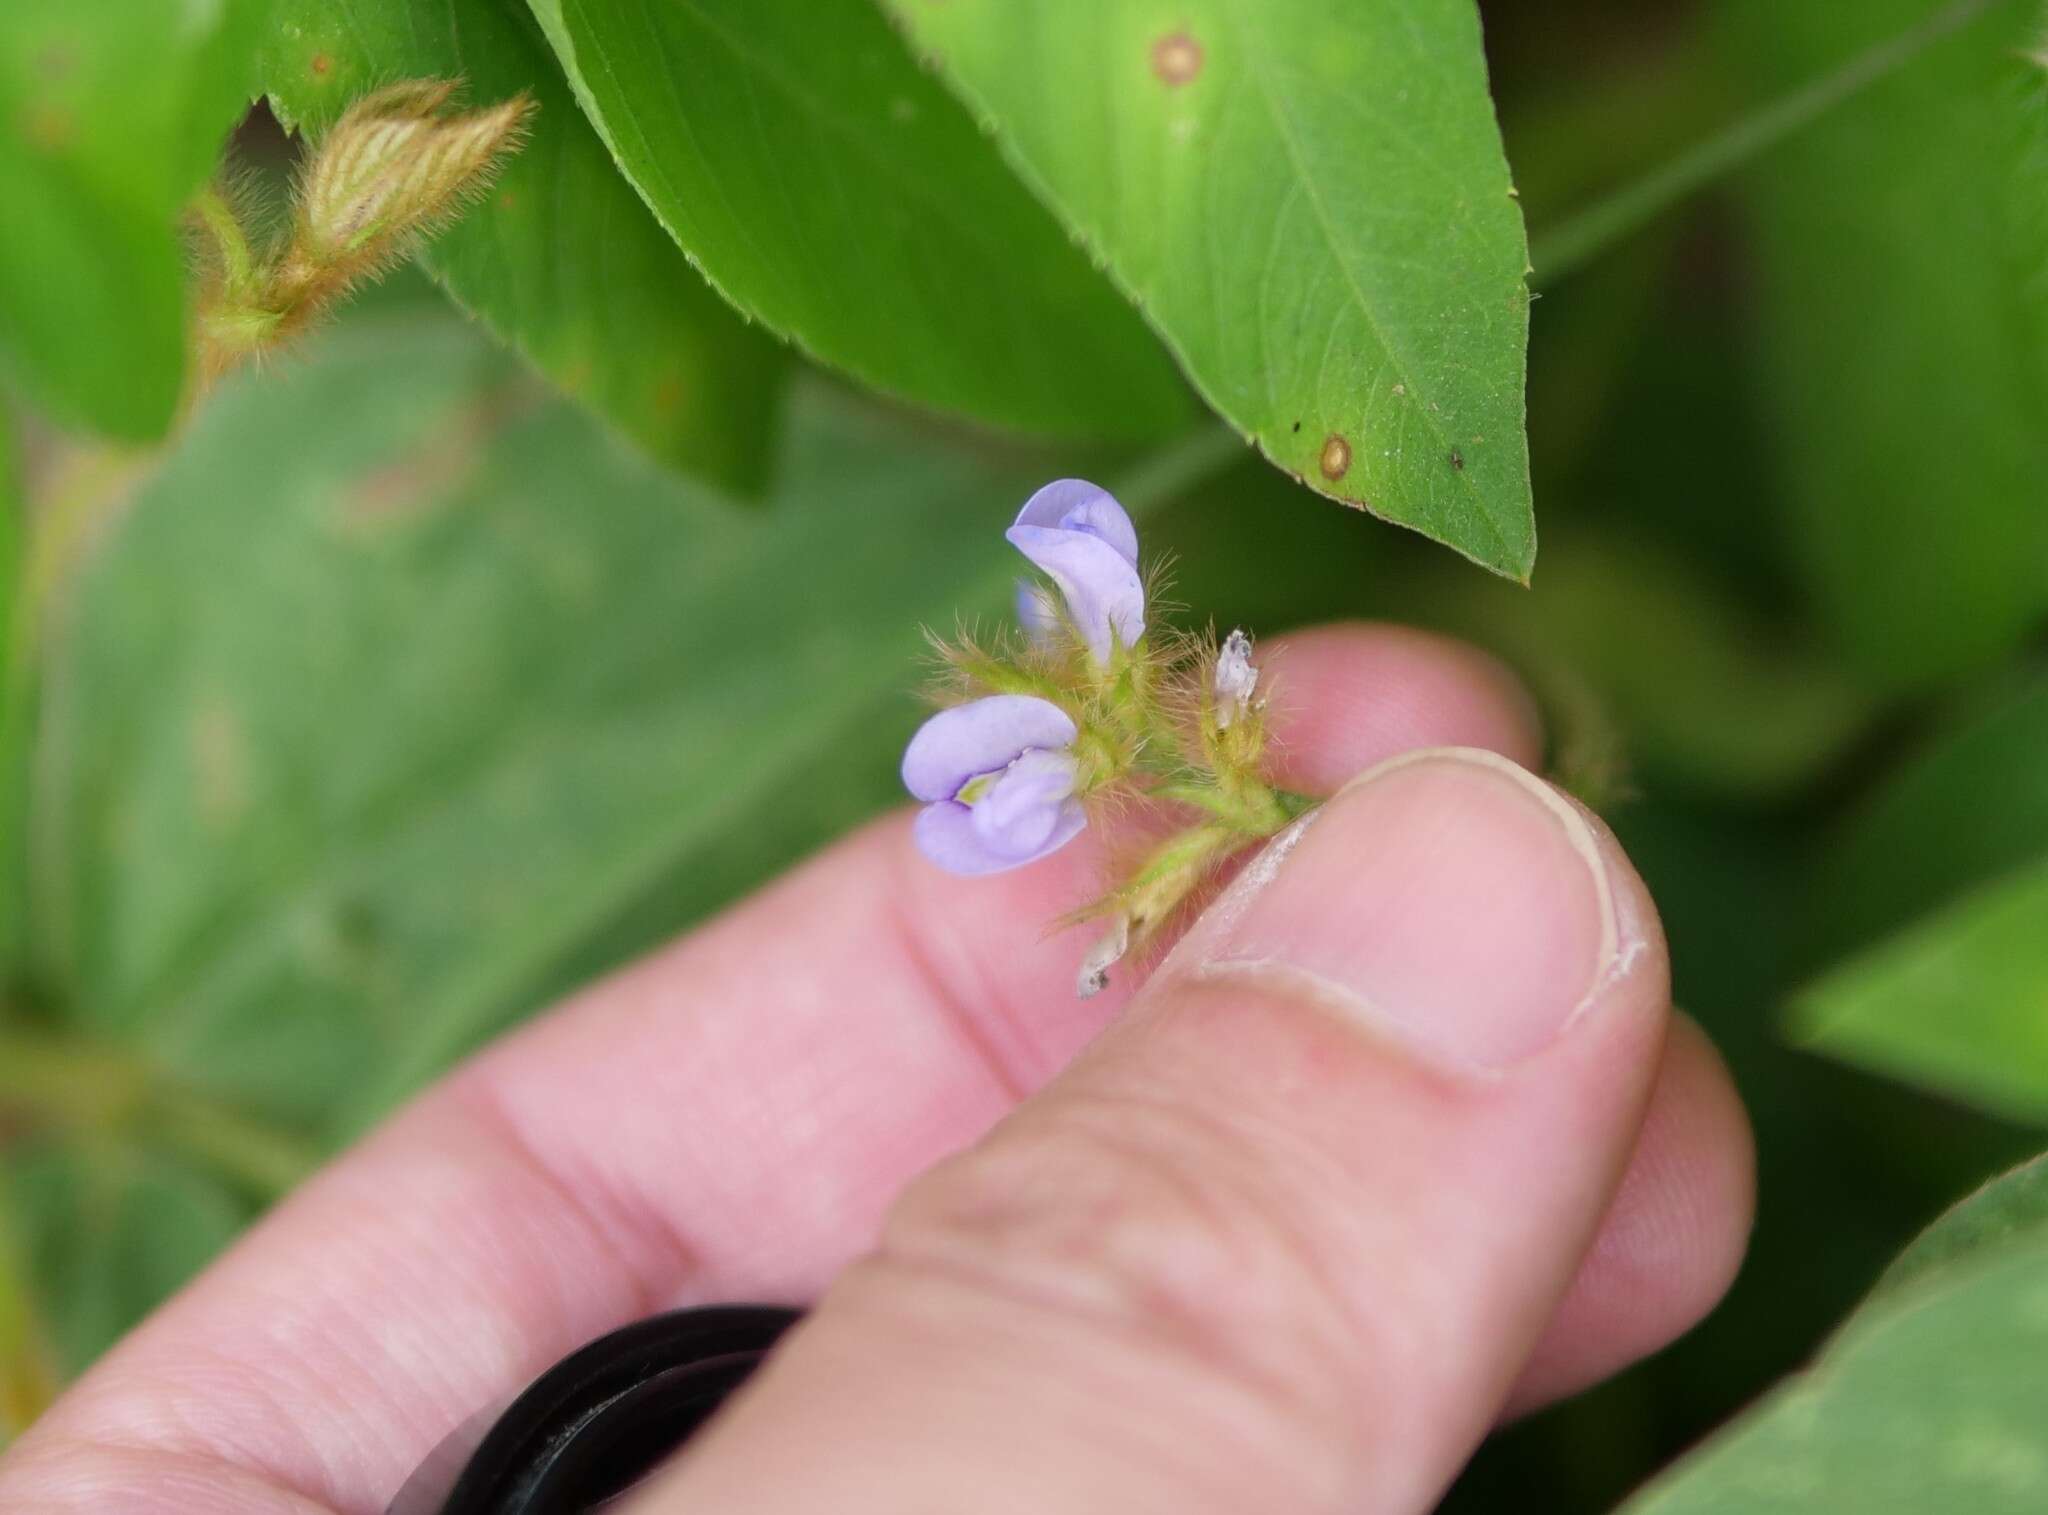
x=597 y=1421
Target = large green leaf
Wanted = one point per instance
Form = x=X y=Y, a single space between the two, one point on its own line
x=1931 y=1399
x=28 y=1369
x=1971 y=807
x=2011 y=1209
x=1958 y=1002
x=1309 y=200
x=1903 y=328
x=14 y=697
x=561 y=259
x=13 y=539
x=1931 y=906
x=401 y=683
x=105 y=1232
x=111 y=115
x=833 y=191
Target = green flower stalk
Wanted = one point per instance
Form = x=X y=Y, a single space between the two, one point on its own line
x=1088 y=711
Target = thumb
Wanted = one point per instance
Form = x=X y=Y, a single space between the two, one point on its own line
x=1283 y=1238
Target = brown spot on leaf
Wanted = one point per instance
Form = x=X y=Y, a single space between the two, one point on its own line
x=1457 y=460
x=320 y=64
x=1335 y=460
x=1176 y=59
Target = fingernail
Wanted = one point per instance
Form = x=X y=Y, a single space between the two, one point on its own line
x=1449 y=894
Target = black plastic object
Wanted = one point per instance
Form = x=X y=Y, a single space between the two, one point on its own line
x=595 y=1423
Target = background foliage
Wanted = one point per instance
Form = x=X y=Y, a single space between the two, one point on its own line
x=355 y=710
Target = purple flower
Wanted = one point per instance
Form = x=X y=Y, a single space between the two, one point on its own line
x=1037 y=613
x=1085 y=543
x=998 y=777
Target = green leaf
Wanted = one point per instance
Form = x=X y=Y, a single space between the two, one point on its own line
x=1706 y=693
x=111 y=115
x=1969 y=808
x=2011 y=1209
x=835 y=193
x=1932 y=1398
x=1958 y=1002
x=13 y=541
x=107 y=1233
x=561 y=259
x=1902 y=248
x=1309 y=200
x=28 y=1370
x=1930 y=904
x=401 y=685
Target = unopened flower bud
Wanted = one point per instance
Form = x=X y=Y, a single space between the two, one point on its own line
x=397 y=165
x=396 y=168
x=1236 y=679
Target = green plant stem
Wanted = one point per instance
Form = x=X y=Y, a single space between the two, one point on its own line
x=237 y=262
x=1578 y=239
x=64 y=1083
x=1295 y=805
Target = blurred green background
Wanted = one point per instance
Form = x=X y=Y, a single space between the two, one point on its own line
x=401 y=693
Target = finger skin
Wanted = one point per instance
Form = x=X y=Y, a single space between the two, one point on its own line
x=1673 y=1237
x=718 y=1121
x=1285 y=1236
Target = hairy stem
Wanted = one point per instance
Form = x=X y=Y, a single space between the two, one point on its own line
x=237 y=262
x=1580 y=238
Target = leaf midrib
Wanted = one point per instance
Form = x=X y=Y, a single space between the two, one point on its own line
x=1395 y=358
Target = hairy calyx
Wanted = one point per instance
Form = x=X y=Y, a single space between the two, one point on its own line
x=1086 y=709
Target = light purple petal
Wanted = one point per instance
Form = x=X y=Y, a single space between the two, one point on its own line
x=1026 y=807
x=946 y=833
x=1104 y=594
x=982 y=736
x=1077 y=505
x=1035 y=612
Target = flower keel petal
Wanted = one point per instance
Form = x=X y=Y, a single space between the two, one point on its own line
x=1027 y=807
x=946 y=833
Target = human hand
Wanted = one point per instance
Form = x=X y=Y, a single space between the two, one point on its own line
x=1403 y=1139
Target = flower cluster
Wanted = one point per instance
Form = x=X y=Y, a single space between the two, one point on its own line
x=1088 y=709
